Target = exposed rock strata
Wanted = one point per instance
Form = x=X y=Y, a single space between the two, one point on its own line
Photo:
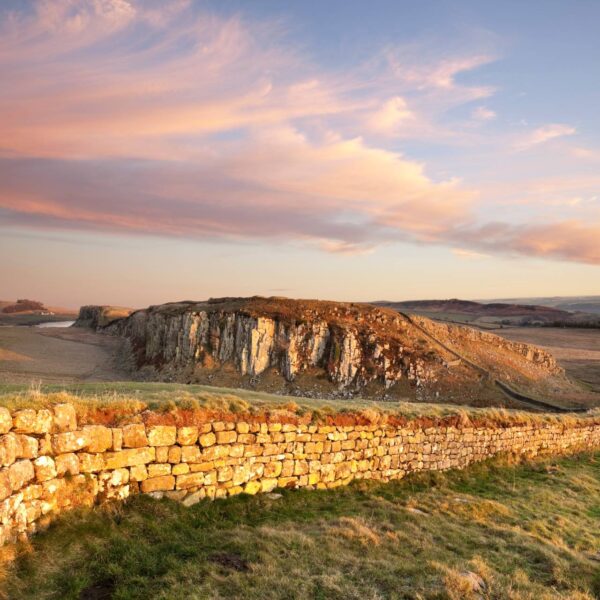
x=351 y=346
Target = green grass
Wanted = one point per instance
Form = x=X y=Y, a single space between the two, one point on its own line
x=529 y=531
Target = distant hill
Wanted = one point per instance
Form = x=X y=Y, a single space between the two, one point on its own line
x=493 y=314
x=586 y=304
x=30 y=312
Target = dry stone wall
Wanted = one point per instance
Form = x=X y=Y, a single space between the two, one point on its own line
x=51 y=463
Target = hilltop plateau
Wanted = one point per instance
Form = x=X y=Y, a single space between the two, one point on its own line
x=332 y=350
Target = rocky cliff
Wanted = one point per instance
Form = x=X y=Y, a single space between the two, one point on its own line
x=313 y=348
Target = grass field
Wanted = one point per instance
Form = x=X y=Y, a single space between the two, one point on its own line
x=528 y=531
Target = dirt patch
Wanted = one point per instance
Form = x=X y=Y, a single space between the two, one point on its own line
x=29 y=354
x=101 y=590
x=232 y=561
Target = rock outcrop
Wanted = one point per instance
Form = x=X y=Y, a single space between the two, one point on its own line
x=314 y=347
x=97 y=317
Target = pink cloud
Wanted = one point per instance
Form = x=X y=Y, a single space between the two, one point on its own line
x=218 y=128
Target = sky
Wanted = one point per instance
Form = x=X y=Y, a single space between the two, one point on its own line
x=158 y=151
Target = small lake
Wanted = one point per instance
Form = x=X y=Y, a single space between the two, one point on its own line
x=56 y=324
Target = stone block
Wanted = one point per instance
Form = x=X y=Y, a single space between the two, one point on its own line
x=67 y=464
x=162 y=454
x=273 y=469
x=100 y=438
x=117 y=439
x=138 y=473
x=189 y=480
x=129 y=458
x=155 y=484
x=268 y=485
x=242 y=427
x=252 y=487
x=29 y=446
x=161 y=435
x=224 y=474
x=190 y=454
x=207 y=439
x=45 y=468
x=5 y=420
x=90 y=463
x=158 y=470
x=5 y=486
x=10 y=448
x=174 y=456
x=180 y=469
x=134 y=436
x=20 y=473
x=187 y=436
x=70 y=441
x=65 y=417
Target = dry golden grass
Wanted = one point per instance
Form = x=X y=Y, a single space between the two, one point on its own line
x=493 y=531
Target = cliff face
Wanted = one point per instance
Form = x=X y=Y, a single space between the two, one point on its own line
x=315 y=347
x=97 y=317
x=193 y=336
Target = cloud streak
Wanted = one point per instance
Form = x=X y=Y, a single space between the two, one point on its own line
x=145 y=118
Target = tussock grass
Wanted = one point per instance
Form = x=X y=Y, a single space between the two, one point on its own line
x=527 y=532
x=124 y=399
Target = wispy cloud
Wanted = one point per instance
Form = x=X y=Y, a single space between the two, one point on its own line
x=159 y=118
x=482 y=113
x=544 y=134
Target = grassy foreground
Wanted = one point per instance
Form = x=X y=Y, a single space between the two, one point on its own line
x=530 y=532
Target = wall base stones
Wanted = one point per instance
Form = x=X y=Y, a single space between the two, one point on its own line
x=50 y=463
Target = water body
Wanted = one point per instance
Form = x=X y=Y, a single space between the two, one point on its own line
x=56 y=324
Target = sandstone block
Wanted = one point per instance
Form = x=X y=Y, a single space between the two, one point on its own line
x=134 y=436
x=252 y=487
x=207 y=439
x=186 y=436
x=180 y=469
x=29 y=446
x=45 y=468
x=5 y=486
x=90 y=463
x=242 y=427
x=162 y=454
x=67 y=463
x=158 y=470
x=65 y=417
x=189 y=480
x=5 y=420
x=117 y=439
x=174 y=456
x=138 y=473
x=129 y=458
x=70 y=441
x=161 y=435
x=99 y=437
x=224 y=474
x=20 y=473
x=210 y=478
x=10 y=448
x=268 y=485
x=194 y=498
x=155 y=484
x=273 y=469
x=241 y=474
x=31 y=421
x=190 y=454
